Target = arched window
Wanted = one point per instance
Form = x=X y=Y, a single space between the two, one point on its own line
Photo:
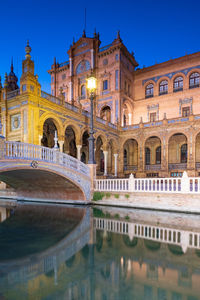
x=158 y=155
x=184 y=153
x=178 y=84
x=125 y=158
x=147 y=156
x=83 y=92
x=106 y=113
x=163 y=87
x=105 y=85
x=149 y=91
x=83 y=157
x=194 y=80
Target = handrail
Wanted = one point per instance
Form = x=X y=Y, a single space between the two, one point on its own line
x=18 y=150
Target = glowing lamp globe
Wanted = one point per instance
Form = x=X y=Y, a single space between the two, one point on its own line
x=91 y=83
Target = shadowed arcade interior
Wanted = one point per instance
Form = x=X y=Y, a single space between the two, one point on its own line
x=41 y=184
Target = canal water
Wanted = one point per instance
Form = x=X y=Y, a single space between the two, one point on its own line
x=65 y=252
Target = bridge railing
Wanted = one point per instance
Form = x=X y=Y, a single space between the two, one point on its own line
x=160 y=185
x=18 y=150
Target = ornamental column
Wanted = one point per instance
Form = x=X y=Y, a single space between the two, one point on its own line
x=129 y=119
x=79 y=151
x=70 y=67
x=116 y=155
x=61 y=143
x=92 y=58
x=105 y=153
x=71 y=91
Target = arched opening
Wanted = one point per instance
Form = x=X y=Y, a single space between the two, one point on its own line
x=197 y=151
x=153 y=153
x=177 y=153
x=85 y=147
x=147 y=156
x=49 y=129
x=83 y=92
x=70 y=142
x=130 y=156
x=99 y=156
x=106 y=113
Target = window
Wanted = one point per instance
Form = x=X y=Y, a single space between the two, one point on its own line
x=178 y=84
x=24 y=87
x=194 y=80
x=149 y=91
x=83 y=92
x=31 y=88
x=163 y=87
x=186 y=111
x=116 y=79
x=52 y=92
x=125 y=86
x=105 y=85
x=116 y=56
x=184 y=153
x=105 y=61
x=52 y=79
x=158 y=155
x=147 y=156
x=63 y=76
x=153 y=117
x=125 y=158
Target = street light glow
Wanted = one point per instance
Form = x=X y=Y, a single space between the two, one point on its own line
x=91 y=83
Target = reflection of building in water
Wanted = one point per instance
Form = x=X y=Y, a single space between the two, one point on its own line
x=4 y=213
x=103 y=264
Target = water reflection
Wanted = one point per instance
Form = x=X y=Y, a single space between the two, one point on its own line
x=101 y=253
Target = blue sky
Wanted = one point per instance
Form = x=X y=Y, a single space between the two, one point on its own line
x=155 y=30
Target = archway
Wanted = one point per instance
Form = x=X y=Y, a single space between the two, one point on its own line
x=106 y=113
x=85 y=147
x=49 y=129
x=197 y=151
x=153 y=153
x=130 y=152
x=70 y=142
x=99 y=156
x=177 y=153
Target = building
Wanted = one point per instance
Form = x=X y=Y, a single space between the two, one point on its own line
x=147 y=121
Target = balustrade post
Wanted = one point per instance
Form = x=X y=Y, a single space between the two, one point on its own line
x=131 y=183
x=116 y=155
x=185 y=183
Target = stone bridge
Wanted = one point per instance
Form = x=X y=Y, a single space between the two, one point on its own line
x=36 y=172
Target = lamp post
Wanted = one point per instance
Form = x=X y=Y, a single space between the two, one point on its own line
x=91 y=86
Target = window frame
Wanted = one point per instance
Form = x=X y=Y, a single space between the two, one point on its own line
x=179 y=84
x=151 y=89
x=194 y=78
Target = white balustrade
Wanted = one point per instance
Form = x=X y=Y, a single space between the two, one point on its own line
x=151 y=185
x=17 y=150
x=182 y=238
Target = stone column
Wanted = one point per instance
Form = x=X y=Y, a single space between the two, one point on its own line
x=116 y=155
x=61 y=143
x=92 y=58
x=71 y=91
x=105 y=153
x=129 y=119
x=79 y=151
x=70 y=66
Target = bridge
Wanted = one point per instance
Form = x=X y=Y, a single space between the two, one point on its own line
x=37 y=172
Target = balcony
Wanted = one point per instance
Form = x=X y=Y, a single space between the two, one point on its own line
x=178 y=89
x=130 y=168
x=155 y=167
x=180 y=166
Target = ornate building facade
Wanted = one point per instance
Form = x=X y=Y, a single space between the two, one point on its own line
x=146 y=121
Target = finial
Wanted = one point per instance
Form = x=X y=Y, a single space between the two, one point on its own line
x=0 y=83
x=73 y=41
x=28 y=50
x=132 y=53
x=11 y=67
x=95 y=34
x=84 y=34
x=118 y=34
x=54 y=60
x=98 y=35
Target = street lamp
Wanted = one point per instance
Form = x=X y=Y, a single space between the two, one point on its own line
x=91 y=86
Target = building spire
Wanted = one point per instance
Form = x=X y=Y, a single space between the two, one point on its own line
x=28 y=50
x=84 y=34
x=11 y=67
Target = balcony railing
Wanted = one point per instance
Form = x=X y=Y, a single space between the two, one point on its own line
x=155 y=167
x=50 y=97
x=130 y=168
x=180 y=166
x=13 y=94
